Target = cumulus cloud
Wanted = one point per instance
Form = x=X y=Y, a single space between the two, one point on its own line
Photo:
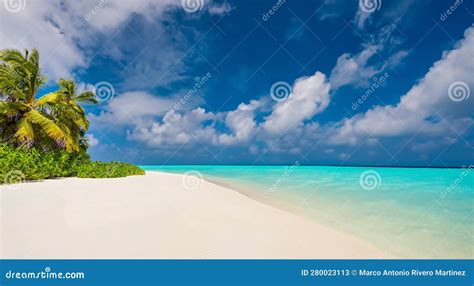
x=199 y=126
x=177 y=128
x=152 y=120
x=241 y=122
x=357 y=70
x=65 y=32
x=33 y=27
x=426 y=108
x=354 y=69
x=92 y=140
x=133 y=108
x=310 y=96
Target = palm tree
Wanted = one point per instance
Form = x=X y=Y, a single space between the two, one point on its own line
x=54 y=120
x=68 y=90
x=71 y=100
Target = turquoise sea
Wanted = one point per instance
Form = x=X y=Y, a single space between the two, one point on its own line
x=407 y=212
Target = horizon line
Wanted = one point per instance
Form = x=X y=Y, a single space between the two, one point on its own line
x=328 y=165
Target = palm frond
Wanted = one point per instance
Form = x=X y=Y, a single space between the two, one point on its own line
x=24 y=132
x=12 y=82
x=50 y=98
x=87 y=97
x=52 y=129
x=10 y=109
x=12 y=57
x=54 y=120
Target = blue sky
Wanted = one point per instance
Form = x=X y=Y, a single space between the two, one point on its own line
x=390 y=86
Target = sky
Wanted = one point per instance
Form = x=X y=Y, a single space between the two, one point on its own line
x=333 y=82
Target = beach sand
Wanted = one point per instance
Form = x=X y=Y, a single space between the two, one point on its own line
x=155 y=216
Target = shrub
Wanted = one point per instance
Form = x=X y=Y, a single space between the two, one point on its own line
x=34 y=164
x=108 y=170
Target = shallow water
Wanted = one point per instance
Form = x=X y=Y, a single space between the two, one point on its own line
x=408 y=212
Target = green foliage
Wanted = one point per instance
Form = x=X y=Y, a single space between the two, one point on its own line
x=43 y=138
x=108 y=170
x=53 y=121
x=35 y=164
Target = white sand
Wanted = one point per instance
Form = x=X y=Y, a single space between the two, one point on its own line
x=154 y=216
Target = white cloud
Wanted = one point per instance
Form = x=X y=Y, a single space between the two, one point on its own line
x=33 y=27
x=361 y=18
x=176 y=128
x=241 y=122
x=354 y=70
x=132 y=108
x=310 y=96
x=219 y=8
x=198 y=126
x=64 y=31
x=92 y=140
x=426 y=108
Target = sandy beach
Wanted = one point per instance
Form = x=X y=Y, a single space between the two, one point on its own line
x=155 y=216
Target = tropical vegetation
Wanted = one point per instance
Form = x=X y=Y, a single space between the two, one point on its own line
x=44 y=137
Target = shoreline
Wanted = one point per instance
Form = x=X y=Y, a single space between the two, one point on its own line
x=290 y=209
x=155 y=216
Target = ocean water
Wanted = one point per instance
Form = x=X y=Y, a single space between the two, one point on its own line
x=407 y=212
